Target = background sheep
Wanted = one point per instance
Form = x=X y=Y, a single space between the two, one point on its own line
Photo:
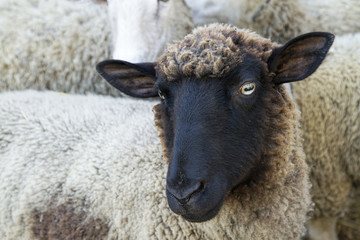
x=44 y=45
x=278 y=19
x=141 y=29
x=281 y=20
x=53 y=45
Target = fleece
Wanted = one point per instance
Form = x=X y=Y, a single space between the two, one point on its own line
x=53 y=45
x=329 y=101
x=281 y=20
x=76 y=167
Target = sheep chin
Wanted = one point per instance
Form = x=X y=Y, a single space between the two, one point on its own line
x=205 y=217
x=201 y=208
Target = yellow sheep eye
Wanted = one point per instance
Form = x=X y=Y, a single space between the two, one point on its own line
x=247 y=89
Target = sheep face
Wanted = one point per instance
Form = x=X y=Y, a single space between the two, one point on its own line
x=213 y=135
x=221 y=104
x=141 y=28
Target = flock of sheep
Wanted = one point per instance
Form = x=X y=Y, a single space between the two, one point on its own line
x=77 y=164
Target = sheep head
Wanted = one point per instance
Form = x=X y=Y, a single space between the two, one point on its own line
x=224 y=114
x=141 y=28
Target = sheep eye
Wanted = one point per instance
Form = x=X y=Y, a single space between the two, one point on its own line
x=161 y=94
x=247 y=88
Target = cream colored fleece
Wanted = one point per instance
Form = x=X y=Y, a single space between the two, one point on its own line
x=329 y=101
x=53 y=45
x=281 y=20
x=90 y=167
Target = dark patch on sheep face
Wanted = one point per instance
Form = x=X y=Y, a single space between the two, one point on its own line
x=213 y=135
x=67 y=220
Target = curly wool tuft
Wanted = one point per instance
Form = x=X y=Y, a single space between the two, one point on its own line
x=212 y=51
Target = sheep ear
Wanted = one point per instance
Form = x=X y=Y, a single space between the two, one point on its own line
x=136 y=80
x=299 y=57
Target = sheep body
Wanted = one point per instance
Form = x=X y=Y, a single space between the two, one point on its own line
x=53 y=45
x=281 y=20
x=329 y=102
x=99 y=174
x=56 y=162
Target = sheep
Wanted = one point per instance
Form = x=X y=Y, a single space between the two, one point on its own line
x=329 y=152
x=53 y=45
x=281 y=19
x=141 y=29
x=222 y=98
x=135 y=43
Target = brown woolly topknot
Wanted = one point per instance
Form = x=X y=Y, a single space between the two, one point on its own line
x=212 y=51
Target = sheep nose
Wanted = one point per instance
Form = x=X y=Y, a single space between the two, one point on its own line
x=185 y=193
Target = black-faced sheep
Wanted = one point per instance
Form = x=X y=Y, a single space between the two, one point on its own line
x=229 y=130
x=329 y=103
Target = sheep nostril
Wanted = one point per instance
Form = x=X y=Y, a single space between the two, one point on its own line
x=183 y=197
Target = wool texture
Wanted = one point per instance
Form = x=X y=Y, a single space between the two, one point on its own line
x=54 y=45
x=212 y=51
x=281 y=20
x=141 y=29
x=115 y=189
x=329 y=101
x=80 y=167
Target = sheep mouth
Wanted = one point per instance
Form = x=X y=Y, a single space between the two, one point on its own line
x=205 y=217
x=200 y=208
